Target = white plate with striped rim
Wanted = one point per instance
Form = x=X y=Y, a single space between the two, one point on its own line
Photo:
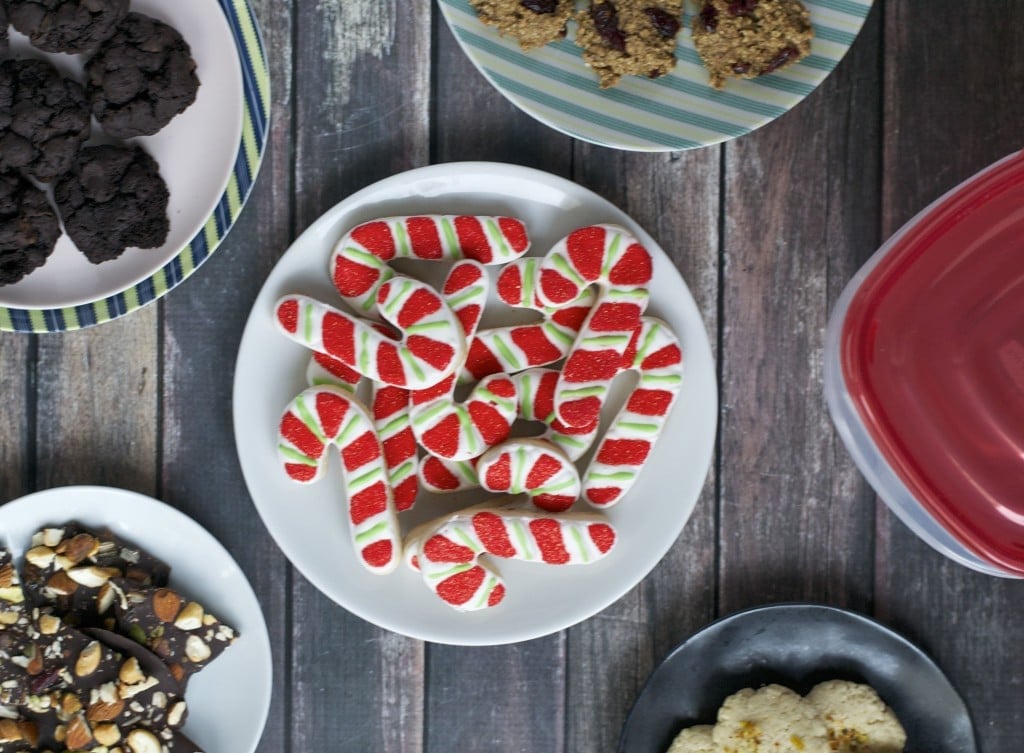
x=677 y=111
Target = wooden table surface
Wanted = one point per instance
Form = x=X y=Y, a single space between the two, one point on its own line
x=766 y=230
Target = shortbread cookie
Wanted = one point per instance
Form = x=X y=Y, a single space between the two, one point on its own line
x=695 y=739
x=772 y=719
x=750 y=38
x=858 y=721
x=629 y=37
x=532 y=23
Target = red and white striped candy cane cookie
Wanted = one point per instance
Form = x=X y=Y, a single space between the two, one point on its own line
x=322 y=416
x=433 y=346
x=514 y=348
x=534 y=467
x=610 y=257
x=535 y=390
x=447 y=551
x=359 y=263
x=655 y=354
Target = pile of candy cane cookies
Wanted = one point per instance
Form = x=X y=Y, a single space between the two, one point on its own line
x=590 y=291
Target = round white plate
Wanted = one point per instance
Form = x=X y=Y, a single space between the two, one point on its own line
x=229 y=700
x=309 y=522
x=677 y=111
x=196 y=153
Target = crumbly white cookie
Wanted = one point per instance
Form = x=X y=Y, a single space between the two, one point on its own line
x=858 y=721
x=695 y=739
x=772 y=719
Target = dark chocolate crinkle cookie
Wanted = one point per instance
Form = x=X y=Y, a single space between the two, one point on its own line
x=5 y=48
x=141 y=78
x=71 y=26
x=44 y=119
x=113 y=199
x=28 y=228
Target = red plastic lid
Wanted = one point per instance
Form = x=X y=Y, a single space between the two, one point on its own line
x=932 y=353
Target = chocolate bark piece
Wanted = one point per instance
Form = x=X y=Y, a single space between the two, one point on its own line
x=17 y=733
x=15 y=621
x=180 y=632
x=44 y=119
x=141 y=78
x=113 y=199
x=71 y=26
x=29 y=228
x=12 y=597
x=67 y=568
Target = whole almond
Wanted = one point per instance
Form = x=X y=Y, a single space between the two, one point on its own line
x=166 y=604
x=79 y=735
x=78 y=548
x=61 y=584
x=7 y=575
x=104 y=712
x=88 y=660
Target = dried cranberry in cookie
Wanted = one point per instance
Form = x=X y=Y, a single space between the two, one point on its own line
x=532 y=23
x=629 y=37
x=71 y=26
x=750 y=38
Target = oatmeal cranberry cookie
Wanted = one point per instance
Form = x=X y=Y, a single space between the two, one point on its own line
x=749 y=38
x=71 y=26
x=629 y=38
x=28 y=231
x=532 y=23
x=113 y=199
x=141 y=78
x=44 y=119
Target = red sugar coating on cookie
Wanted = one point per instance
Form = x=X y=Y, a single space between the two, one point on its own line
x=460 y=588
x=592 y=365
x=491 y=531
x=481 y=362
x=535 y=344
x=624 y=451
x=335 y=367
x=571 y=316
x=429 y=394
x=376 y=238
x=586 y=251
x=424 y=238
x=438 y=476
x=439 y=548
x=389 y=365
x=616 y=317
x=288 y=315
x=502 y=388
x=436 y=353
x=649 y=402
x=296 y=432
x=473 y=239
x=603 y=495
x=499 y=475
x=443 y=439
x=581 y=412
x=634 y=268
x=510 y=285
x=420 y=304
x=300 y=472
x=553 y=502
x=603 y=536
x=331 y=409
x=361 y=450
x=405 y=493
x=548 y=535
x=369 y=502
x=388 y=400
x=378 y=554
x=339 y=337
x=667 y=356
x=558 y=289
x=515 y=233
x=496 y=596
x=490 y=422
x=353 y=279
x=461 y=276
x=543 y=469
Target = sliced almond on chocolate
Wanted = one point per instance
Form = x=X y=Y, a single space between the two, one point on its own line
x=89 y=659
x=104 y=712
x=131 y=673
x=176 y=714
x=48 y=624
x=93 y=577
x=79 y=734
x=40 y=556
x=79 y=547
x=61 y=585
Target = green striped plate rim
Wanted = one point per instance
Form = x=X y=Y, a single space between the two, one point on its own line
x=677 y=111
x=255 y=125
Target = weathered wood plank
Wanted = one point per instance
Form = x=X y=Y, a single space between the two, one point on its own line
x=949 y=112
x=675 y=197
x=800 y=209
x=203 y=323
x=97 y=405
x=362 y=91
x=17 y=362
x=505 y=698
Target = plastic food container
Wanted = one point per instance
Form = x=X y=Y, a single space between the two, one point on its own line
x=924 y=371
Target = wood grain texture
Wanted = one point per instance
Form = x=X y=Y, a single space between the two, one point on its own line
x=362 y=82
x=795 y=522
x=947 y=116
x=17 y=371
x=675 y=197
x=202 y=327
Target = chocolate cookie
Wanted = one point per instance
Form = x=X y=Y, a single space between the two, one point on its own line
x=141 y=78
x=5 y=48
x=44 y=119
x=113 y=199
x=71 y=26
x=28 y=228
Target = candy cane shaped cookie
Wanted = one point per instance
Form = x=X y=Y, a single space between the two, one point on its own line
x=534 y=467
x=433 y=346
x=612 y=258
x=447 y=551
x=320 y=416
x=359 y=263
x=656 y=356
x=535 y=391
x=514 y=348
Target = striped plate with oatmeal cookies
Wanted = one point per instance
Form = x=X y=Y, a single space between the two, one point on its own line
x=677 y=111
